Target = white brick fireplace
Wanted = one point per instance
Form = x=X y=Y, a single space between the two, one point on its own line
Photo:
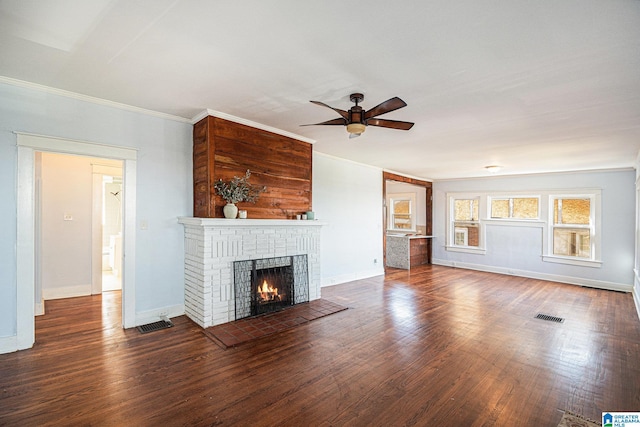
x=212 y=245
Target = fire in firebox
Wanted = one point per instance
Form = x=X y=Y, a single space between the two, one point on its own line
x=267 y=293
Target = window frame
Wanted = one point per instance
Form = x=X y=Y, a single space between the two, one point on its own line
x=451 y=227
x=411 y=197
x=594 y=227
x=510 y=198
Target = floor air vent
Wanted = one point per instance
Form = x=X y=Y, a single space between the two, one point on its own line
x=155 y=326
x=549 y=318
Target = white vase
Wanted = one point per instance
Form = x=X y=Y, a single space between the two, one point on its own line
x=230 y=210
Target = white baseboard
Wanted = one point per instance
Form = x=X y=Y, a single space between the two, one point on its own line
x=580 y=281
x=8 y=344
x=344 y=278
x=156 y=315
x=39 y=308
x=66 y=292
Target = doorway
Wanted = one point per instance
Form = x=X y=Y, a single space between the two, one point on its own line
x=108 y=193
x=402 y=187
x=78 y=226
x=28 y=145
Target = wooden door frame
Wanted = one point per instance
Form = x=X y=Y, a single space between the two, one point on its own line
x=390 y=176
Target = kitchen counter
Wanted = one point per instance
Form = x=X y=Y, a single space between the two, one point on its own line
x=408 y=250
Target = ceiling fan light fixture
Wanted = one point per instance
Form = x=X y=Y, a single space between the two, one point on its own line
x=356 y=128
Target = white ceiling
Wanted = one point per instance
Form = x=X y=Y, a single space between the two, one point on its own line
x=533 y=86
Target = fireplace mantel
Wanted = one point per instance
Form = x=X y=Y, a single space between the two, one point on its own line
x=233 y=223
x=212 y=245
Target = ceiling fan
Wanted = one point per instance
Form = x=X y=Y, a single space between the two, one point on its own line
x=356 y=119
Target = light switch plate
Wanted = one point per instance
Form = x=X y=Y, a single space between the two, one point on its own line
x=68 y=217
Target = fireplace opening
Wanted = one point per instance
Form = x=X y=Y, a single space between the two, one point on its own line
x=270 y=284
x=272 y=288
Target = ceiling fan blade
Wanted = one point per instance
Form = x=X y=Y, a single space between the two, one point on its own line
x=339 y=121
x=387 y=106
x=393 y=124
x=343 y=113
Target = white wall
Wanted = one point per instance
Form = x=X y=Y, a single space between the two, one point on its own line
x=164 y=188
x=66 y=190
x=518 y=250
x=348 y=196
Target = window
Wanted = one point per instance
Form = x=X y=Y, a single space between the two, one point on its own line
x=573 y=228
x=401 y=212
x=466 y=223
x=514 y=208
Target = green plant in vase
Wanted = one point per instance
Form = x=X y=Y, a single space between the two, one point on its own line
x=239 y=189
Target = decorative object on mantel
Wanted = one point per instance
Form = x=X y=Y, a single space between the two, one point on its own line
x=237 y=190
x=242 y=214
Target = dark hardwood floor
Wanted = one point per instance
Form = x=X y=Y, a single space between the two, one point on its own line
x=435 y=346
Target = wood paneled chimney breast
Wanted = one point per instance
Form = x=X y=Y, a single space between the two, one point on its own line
x=223 y=149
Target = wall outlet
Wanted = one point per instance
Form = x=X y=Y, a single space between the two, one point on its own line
x=68 y=217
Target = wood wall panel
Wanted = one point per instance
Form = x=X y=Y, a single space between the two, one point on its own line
x=223 y=149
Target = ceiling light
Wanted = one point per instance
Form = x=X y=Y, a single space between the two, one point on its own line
x=493 y=168
x=355 y=129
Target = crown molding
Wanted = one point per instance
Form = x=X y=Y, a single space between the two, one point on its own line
x=251 y=123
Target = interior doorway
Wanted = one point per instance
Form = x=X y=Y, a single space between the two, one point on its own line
x=416 y=221
x=79 y=226
x=26 y=298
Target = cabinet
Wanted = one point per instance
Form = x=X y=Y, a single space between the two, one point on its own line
x=418 y=252
x=408 y=251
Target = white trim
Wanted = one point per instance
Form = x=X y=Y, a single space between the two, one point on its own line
x=466 y=249
x=572 y=261
x=224 y=222
x=91 y=99
x=157 y=314
x=413 y=207
x=599 y=284
x=251 y=123
x=25 y=256
x=636 y=291
x=71 y=146
x=595 y=227
x=129 y=174
x=514 y=222
x=450 y=240
x=510 y=198
x=27 y=144
x=66 y=292
x=9 y=344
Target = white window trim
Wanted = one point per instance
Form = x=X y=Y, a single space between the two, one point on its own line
x=510 y=197
x=412 y=211
x=595 y=195
x=450 y=240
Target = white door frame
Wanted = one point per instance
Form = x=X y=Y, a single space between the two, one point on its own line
x=28 y=144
